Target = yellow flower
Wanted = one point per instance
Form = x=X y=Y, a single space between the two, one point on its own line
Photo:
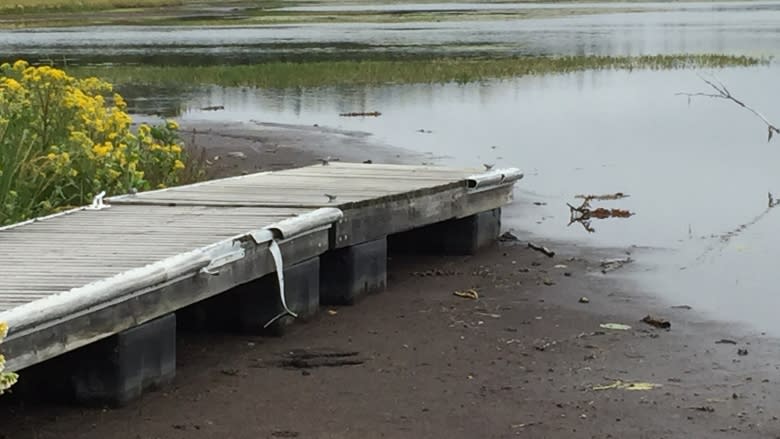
x=20 y=65
x=119 y=102
x=178 y=164
x=3 y=330
x=176 y=149
x=171 y=125
x=11 y=84
x=101 y=150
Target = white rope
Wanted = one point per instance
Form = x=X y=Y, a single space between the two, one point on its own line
x=276 y=253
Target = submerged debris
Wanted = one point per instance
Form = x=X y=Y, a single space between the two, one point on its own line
x=657 y=322
x=361 y=114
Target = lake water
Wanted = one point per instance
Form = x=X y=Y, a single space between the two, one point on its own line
x=694 y=172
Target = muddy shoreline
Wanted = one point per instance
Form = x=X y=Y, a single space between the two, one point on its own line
x=525 y=359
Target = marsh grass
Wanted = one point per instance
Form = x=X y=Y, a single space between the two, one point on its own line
x=462 y=70
x=24 y=6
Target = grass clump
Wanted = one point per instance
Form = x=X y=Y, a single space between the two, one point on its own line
x=63 y=140
x=350 y=72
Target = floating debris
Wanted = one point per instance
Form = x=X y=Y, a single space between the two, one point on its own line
x=742 y=352
x=361 y=114
x=213 y=108
x=584 y=299
x=725 y=341
x=685 y=307
x=615 y=196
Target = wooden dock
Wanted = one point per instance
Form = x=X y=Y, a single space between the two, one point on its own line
x=82 y=276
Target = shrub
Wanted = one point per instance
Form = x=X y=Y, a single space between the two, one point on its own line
x=63 y=140
x=7 y=379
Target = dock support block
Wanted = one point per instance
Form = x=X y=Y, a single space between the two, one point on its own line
x=248 y=307
x=462 y=236
x=259 y=302
x=118 y=369
x=349 y=273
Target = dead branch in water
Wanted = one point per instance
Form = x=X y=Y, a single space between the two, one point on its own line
x=724 y=93
x=361 y=114
x=584 y=213
x=724 y=238
x=615 y=196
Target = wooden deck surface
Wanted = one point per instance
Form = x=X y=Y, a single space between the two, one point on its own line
x=307 y=187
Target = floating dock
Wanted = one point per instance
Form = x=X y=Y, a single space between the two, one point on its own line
x=108 y=280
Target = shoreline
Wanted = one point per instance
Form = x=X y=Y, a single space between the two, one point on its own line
x=525 y=359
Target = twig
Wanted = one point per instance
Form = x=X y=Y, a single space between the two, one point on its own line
x=724 y=93
x=544 y=250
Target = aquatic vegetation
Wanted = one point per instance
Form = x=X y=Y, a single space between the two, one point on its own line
x=69 y=5
x=64 y=139
x=7 y=379
x=361 y=72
